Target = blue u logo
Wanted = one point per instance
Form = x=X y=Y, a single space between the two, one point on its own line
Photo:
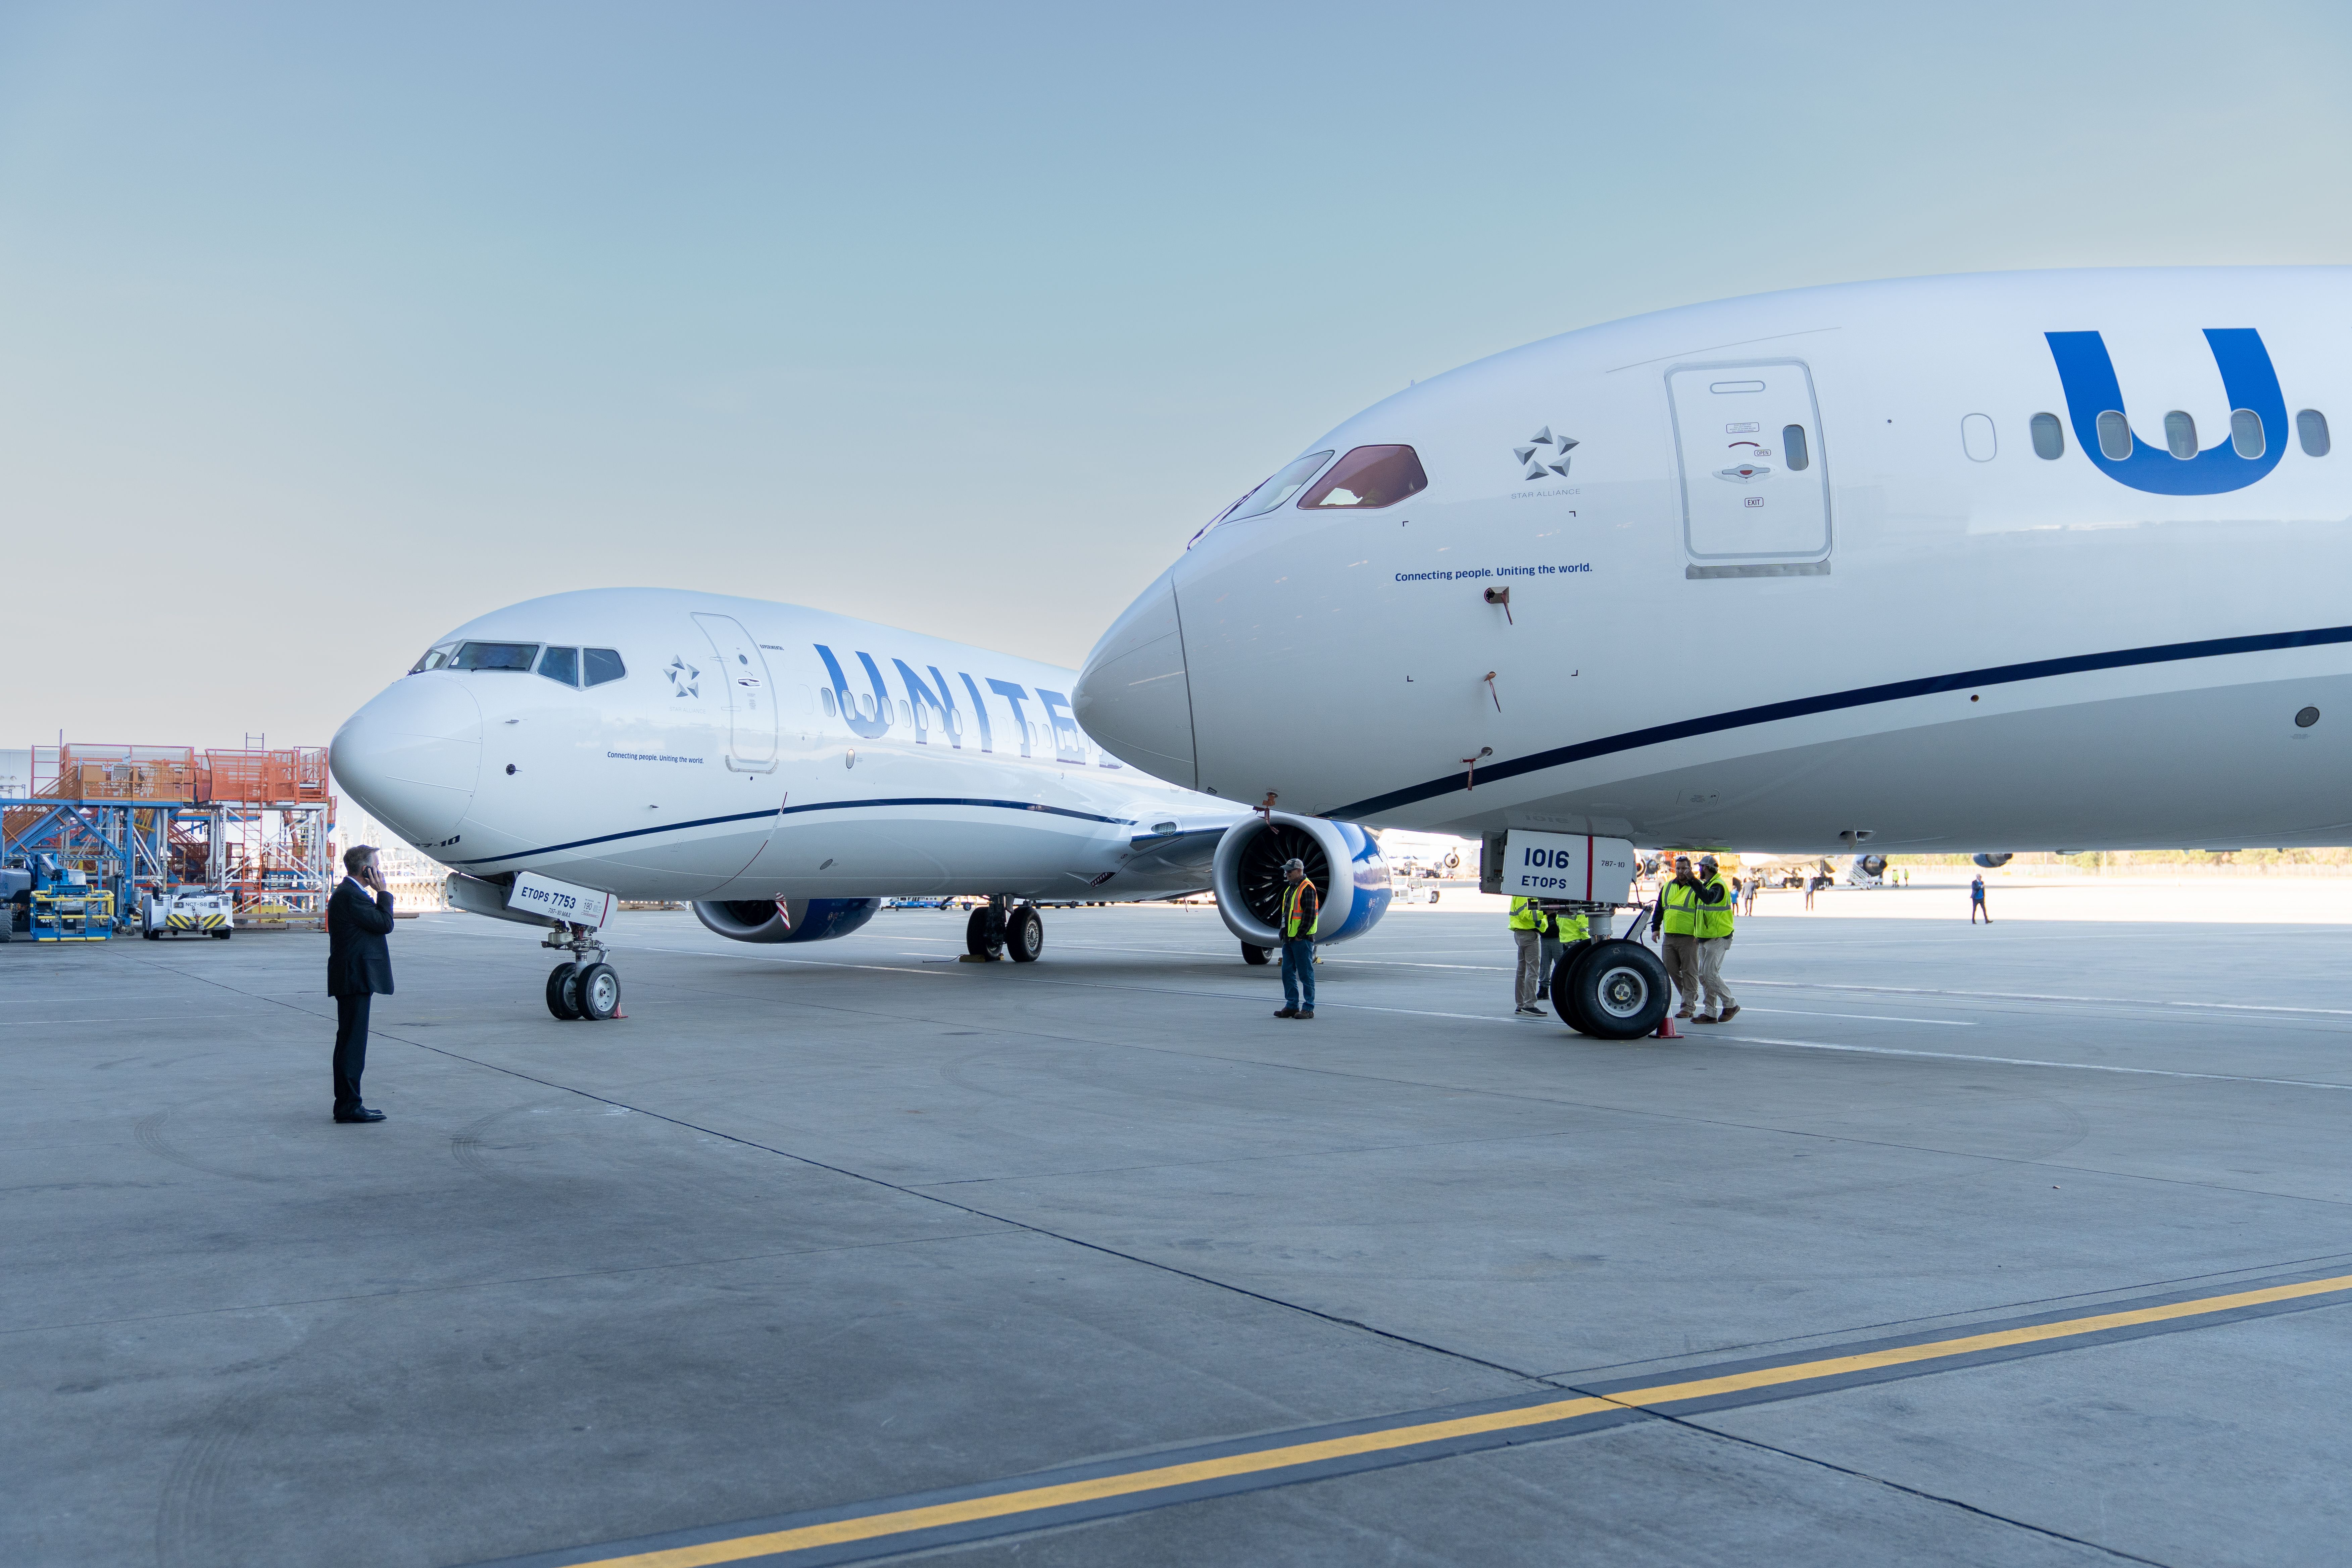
x=2089 y=377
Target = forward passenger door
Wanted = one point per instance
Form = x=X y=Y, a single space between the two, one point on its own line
x=1754 y=478
x=750 y=694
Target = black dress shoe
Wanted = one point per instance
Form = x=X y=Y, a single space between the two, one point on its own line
x=1286 y=1013
x=362 y=1114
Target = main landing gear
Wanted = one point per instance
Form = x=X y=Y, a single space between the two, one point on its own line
x=583 y=985
x=1253 y=954
x=1003 y=930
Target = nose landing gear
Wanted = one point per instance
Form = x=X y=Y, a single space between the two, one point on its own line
x=584 y=986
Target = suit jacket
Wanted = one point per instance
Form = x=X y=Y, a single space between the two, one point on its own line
x=358 y=961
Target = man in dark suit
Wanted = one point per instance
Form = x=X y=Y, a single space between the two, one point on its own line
x=359 y=965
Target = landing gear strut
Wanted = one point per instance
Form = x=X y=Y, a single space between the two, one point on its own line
x=583 y=985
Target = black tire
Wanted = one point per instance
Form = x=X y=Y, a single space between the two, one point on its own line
x=558 y=991
x=1620 y=989
x=977 y=939
x=597 y=991
x=1432 y=895
x=1253 y=954
x=224 y=933
x=1024 y=935
x=1563 y=985
x=152 y=935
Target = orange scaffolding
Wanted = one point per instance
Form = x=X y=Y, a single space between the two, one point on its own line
x=254 y=822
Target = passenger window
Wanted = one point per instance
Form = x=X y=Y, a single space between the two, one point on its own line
x=2311 y=429
x=1277 y=490
x=2049 y=437
x=825 y=700
x=2180 y=435
x=2115 y=437
x=905 y=717
x=1792 y=448
x=1368 y=478
x=602 y=664
x=2246 y=437
x=515 y=656
x=560 y=664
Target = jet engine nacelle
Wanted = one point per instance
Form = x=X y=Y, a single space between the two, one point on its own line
x=1871 y=865
x=1990 y=862
x=1342 y=862
x=785 y=919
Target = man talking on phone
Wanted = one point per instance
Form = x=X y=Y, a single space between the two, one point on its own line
x=359 y=965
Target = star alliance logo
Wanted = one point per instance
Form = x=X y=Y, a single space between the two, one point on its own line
x=1544 y=453
x=684 y=679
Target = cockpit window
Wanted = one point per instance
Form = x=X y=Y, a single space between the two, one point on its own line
x=1277 y=490
x=1368 y=478
x=515 y=656
x=560 y=664
x=434 y=657
x=602 y=664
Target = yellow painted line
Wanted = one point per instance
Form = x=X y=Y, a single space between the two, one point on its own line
x=1032 y=1500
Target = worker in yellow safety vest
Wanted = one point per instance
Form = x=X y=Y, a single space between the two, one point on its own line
x=1714 y=909
x=1560 y=928
x=1300 y=917
x=1675 y=922
x=1527 y=933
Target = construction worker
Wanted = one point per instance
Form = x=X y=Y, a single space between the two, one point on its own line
x=1715 y=905
x=1301 y=915
x=1676 y=917
x=1561 y=928
x=1527 y=931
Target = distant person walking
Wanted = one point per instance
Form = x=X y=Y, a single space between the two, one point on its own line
x=1302 y=913
x=1813 y=881
x=358 y=965
x=1976 y=902
x=1527 y=935
x=1748 y=893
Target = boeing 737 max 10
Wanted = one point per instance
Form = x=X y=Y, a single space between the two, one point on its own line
x=785 y=770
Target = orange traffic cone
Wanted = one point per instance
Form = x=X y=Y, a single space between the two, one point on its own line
x=1666 y=1031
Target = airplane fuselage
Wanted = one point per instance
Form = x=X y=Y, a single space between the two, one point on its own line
x=2032 y=560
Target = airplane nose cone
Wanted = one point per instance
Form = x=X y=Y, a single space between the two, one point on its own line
x=409 y=758
x=1134 y=697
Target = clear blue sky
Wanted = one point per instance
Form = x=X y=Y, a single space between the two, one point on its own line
x=323 y=328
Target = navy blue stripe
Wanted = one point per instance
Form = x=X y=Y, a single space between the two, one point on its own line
x=795 y=811
x=1860 y=696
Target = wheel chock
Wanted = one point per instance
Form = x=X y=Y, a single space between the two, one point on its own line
x=1666 y=1031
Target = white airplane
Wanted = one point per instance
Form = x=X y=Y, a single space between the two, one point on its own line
x=2035 y=561
x=784 y=770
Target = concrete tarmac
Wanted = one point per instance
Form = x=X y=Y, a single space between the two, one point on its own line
x=813 y=1227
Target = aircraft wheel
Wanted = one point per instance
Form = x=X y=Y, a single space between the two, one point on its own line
x=223 y=934
x=1024 y=935
x=1562 y=984
x=976 y=938
x=1619 y=988
x=559 y=998
x=1253 y=954
x=597 y=991
x=152 y=935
